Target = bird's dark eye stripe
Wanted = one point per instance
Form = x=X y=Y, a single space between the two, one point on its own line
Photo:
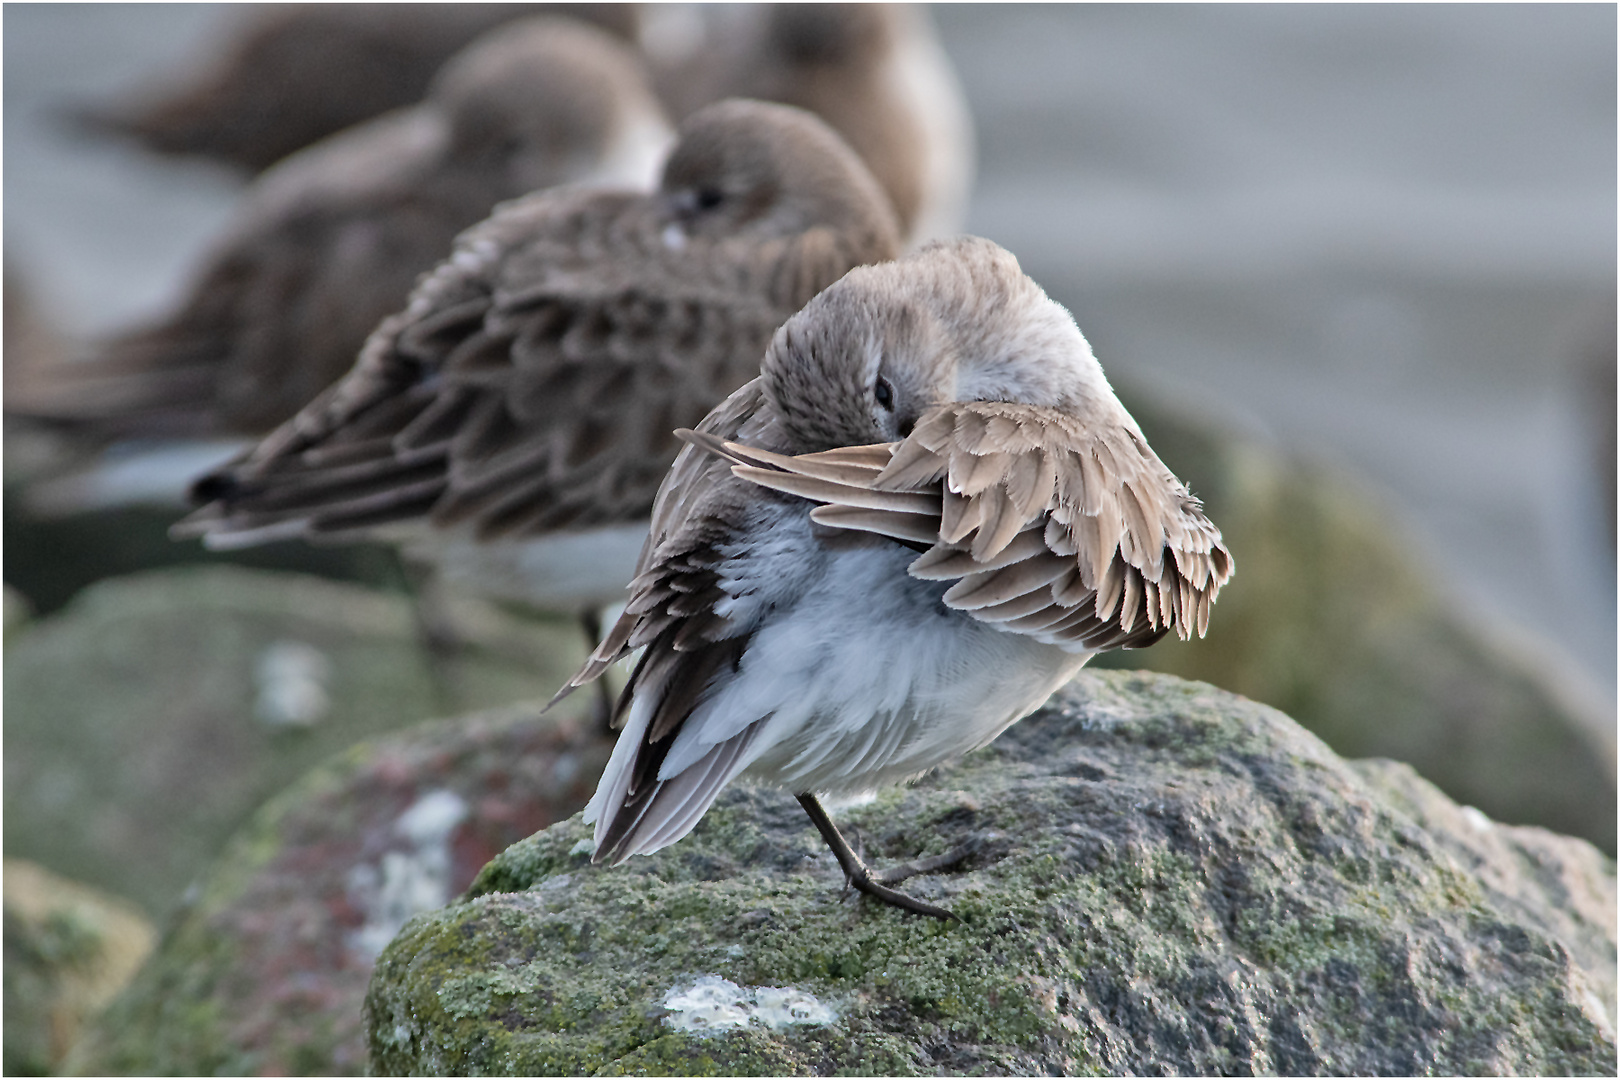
x=883 y=393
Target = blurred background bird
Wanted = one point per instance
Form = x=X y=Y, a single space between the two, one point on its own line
x=876 y=72
x=513 y=422
x=331 y=239
x=287 y=75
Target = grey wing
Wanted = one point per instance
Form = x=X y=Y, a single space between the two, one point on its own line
x=689 y=649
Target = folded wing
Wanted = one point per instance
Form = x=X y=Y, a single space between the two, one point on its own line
x=1078 y=538
x=532 y=384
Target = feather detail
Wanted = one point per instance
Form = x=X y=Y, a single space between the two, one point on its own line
x=959 y=516
x=981 y=590
x=1024 y=510
x=944 y=562
x=917 y=528
x=1001 y=523
x=811 y=487
x=913 y=465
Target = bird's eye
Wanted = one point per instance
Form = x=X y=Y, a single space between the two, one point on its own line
x=709 y=198
x=883 y=393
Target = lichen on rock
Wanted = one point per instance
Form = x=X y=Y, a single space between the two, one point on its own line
x=263 y=970
x=148 y=719
x=1171 y=879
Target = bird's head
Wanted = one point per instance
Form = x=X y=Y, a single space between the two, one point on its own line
x=955 y=321
x=548 y=100
x=748 y=167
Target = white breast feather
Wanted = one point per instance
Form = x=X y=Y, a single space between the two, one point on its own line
x=863 y=678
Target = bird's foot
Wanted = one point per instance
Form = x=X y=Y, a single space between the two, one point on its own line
x=857 y=875
x=894 y=875
x=861 y=877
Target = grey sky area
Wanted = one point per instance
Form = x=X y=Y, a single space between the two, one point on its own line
x=1375 y=234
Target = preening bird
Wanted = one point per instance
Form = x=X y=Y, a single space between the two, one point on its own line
x=925 y=515
x=513 y=422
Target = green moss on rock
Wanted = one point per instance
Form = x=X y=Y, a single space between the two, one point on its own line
x=68 y=950
x=1171 y=878
x=264 y=968
x=1336 y=620
x=136 y=732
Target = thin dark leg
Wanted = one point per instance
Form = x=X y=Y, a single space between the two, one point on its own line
x=435 y=629
x=436 y=632
x=864 y=879
x=592 y=622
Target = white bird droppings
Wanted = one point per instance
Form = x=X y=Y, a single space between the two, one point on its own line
x=710 y=1004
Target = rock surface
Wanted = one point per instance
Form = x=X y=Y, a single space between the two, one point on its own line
x=148 y=719
x=264 y=972
x=1172 y=880
x=1332 y=618
x=68 y=950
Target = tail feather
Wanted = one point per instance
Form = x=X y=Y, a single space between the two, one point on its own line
x=636 y=810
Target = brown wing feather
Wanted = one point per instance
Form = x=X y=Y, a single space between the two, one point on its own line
x=1076 y=536
x=546 y=365
x=671 y=613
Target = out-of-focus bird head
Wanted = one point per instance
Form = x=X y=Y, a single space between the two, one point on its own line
x=771 y=170
x=824 y=35
x=955 y=321
x=544 y=98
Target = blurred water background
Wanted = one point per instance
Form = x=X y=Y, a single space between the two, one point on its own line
x=1381 y=235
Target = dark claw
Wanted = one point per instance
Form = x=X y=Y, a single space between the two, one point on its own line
x=858 y=875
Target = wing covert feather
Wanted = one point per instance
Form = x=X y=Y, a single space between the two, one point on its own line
x=562 y=344
x=1075 y=535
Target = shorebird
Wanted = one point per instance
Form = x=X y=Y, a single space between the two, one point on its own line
x=925 y=515
x=287 y=75
x=875 y=72
x=330 y=241
x=513 y=423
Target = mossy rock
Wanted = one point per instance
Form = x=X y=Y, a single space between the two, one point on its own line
x=68 y=950
x=1172 y=879
x=264 y=970
x=149 y=718
x=1334 y=620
